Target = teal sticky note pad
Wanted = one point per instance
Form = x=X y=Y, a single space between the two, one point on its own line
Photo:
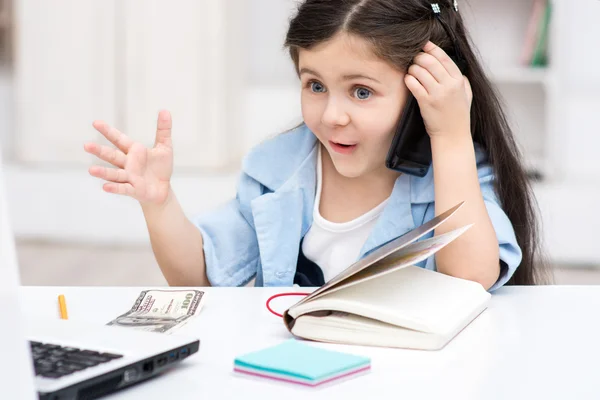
x=299 y=360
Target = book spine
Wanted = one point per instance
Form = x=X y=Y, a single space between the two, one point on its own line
x=531 y=36
x=539 y=57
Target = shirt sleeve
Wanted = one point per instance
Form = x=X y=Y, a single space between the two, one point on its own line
x=509 y=249
x=229 y=240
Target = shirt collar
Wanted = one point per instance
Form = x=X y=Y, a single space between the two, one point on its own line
x=278 y=160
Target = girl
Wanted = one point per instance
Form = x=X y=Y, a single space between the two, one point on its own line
x=313 y=200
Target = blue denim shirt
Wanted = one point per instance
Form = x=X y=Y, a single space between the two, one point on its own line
x=258 y=233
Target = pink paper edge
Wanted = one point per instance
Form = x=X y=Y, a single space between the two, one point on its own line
x=303 y=383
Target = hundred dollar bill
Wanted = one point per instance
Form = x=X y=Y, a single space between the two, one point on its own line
x=161 y=311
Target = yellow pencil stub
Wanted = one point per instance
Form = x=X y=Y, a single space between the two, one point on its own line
x=62 y=304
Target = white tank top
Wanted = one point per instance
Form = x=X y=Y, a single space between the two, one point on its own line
x=335 y=246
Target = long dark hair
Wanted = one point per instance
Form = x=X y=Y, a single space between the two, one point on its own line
x=397 y=31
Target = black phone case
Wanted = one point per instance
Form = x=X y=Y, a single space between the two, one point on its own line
x=410 y=151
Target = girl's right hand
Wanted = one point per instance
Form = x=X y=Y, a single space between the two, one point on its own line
x=140 y=172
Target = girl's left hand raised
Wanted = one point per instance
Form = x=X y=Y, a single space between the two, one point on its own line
x=442 y=91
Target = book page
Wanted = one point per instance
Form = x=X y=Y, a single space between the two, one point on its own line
x=412 y=297
x=386 y=250
x=412 y=254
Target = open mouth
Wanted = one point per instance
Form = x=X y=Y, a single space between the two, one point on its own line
x=342 y=148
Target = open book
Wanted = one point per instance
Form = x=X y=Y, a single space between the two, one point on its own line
x=385 y=300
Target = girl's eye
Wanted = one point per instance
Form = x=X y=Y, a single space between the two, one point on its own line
x=362 y=93
x=317 y=87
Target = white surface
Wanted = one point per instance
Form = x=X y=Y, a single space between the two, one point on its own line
x=15 y=376
x=75 y=208
x=519 y=74
x=123 y=61
x=537 y=342
x=183 y=56
x=64 y=77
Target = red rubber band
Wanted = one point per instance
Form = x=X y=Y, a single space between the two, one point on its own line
x=281 y=295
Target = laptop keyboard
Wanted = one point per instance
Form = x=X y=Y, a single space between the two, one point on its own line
x=54 y=361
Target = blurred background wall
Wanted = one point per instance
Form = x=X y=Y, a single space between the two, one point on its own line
x=219 y=67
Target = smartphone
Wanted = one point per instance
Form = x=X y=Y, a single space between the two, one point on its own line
x=410 y=152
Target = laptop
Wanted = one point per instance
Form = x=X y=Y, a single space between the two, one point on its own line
x=59 y=359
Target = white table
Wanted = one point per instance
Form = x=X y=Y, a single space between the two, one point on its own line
x=532 y=342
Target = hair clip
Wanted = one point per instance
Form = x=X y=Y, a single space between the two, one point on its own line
x=437 y=10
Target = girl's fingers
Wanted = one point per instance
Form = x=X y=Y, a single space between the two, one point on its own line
x=114 y=156
x=122 y=141
x=109 y=174
x=433 y=66
x=424 y=77
x=415 y=87
x=444 y=59
x=163 y=129
x=119 y=188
